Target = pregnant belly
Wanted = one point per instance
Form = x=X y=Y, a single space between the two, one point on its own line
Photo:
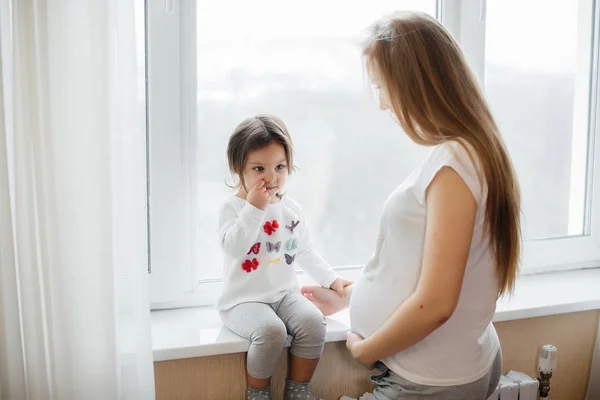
x=371 y=305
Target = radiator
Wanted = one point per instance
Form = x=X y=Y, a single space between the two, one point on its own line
x=516 y=386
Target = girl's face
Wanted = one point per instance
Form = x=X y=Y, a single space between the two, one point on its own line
x=268 y=164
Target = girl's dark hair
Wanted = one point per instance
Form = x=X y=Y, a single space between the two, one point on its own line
x=253 y=134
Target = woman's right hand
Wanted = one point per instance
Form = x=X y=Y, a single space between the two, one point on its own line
x=326 y=300
x=259 y=196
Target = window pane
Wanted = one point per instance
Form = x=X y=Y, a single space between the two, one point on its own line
x=537 y=68
x=300 y=61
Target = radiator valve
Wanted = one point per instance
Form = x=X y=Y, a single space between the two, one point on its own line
x=546 y=365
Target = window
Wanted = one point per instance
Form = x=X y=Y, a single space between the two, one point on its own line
x=537 y=80
x=541 y=83
x=267 y=57
x=209 y=68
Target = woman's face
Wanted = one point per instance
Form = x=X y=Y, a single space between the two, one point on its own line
x=377 y=82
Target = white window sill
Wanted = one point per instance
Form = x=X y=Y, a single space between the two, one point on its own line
x=197 y=332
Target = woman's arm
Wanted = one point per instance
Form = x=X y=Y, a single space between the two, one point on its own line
x=327 y=300
x=451 y=211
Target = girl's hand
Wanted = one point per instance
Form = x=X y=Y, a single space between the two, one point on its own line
x=355 y=344
x=259 y=196
x=339 y=284
x=326 y=300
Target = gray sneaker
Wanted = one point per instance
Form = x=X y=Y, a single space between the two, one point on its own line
x=258 y=394
x=298 y=391
x=366 y=396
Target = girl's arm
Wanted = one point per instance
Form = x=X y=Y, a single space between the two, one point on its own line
x=311 y=261
x=313 y=264
x=240 y=231
x=451 y=211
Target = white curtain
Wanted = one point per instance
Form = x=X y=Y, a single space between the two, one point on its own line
x=74 y=315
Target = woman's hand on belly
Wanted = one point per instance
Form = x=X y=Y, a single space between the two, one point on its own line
x=354 y=343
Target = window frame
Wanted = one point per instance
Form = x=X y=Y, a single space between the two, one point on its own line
x=171 y=66
x=173 y=162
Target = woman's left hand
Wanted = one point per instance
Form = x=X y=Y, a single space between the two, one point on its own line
x=355 y=343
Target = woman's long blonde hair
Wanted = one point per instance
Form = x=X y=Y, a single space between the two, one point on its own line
x=436 y=98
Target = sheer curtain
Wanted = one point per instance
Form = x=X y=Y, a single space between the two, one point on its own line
x=74 y=315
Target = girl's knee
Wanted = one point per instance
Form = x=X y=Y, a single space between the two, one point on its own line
x=272 y=332
x=313 y=329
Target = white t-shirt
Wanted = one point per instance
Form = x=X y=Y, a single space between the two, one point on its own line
x=261 y=251
x=463 y=349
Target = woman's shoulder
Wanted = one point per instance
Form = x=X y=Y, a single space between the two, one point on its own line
x=455 y=153
x=462 y=158
x=453 y=149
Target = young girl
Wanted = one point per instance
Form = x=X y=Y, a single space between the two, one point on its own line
x=449 y=240
x=264 y=234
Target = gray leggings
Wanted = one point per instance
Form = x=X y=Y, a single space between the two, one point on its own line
x=267 y=326
x=390 y=386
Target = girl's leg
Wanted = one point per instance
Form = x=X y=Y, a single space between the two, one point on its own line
x=258 y=323
x=302 y=369
x=307 y=326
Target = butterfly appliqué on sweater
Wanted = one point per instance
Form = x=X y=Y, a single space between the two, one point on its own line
x=289 y=258
x=273 y=247
x=293 y=226
x=292 y=244
x=271 y=227
x=254 y=249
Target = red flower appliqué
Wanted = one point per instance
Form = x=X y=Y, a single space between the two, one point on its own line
x=271 y=227
x=248 y=265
